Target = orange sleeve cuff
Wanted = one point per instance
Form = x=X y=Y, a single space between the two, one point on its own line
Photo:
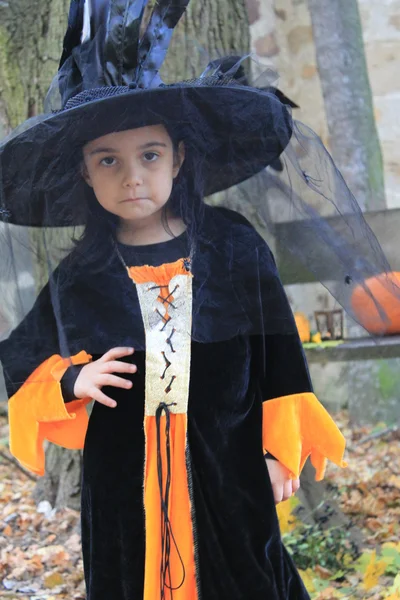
x=298 y=426
x=37 y=412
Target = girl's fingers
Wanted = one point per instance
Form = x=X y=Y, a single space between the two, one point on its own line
x=287 y=489
x=118 y=366
x=108 y=379
x=278 y=492
x=102 y=398
x=295 y=485
x=114 y=353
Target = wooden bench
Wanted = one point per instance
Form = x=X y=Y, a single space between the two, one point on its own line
x=357 y=349
x=386 y=226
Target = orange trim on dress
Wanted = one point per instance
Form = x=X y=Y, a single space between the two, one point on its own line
x=37 y=412
x=161 y=275
x=298 y=426
x=170 y=565
x=181 y=555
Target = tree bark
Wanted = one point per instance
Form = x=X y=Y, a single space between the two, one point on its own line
x=208 y=30
x=61 y=484
x=318 y=506
x=348 y=99
x=354 y=145
x=31 y=35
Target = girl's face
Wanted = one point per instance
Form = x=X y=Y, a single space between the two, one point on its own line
x=132 y=172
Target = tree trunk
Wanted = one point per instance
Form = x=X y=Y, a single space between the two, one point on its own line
x=348 y=99
x=31 y=35
x=318 y=506
x=354 y=145
x=209 y=29
x=61 y=484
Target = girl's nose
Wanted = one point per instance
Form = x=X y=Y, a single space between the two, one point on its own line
x=132 y=176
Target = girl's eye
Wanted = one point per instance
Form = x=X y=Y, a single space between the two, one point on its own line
x=108 y=161
x=150 y=156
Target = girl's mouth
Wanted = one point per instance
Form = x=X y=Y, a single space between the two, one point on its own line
x=132 y=199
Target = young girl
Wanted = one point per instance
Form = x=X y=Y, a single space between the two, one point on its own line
x=170 y=315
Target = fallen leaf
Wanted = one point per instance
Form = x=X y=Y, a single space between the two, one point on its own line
x=50 y=538
x=51 y=581
x=373 y=571
x=322 y=572
x=74 y=543
x=394 y=480
x=308 y=579
x=287 y=521
x=9 y=584
x=394 y=592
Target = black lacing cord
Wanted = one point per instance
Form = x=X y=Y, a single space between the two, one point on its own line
x=166 y=528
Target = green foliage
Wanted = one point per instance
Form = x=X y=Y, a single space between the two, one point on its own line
x=311 y=545
x=390 y=553
x=389 y=380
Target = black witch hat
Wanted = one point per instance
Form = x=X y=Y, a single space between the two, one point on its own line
x=233 y=65
x=109 y=81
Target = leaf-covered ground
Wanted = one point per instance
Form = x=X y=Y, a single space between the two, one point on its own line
x=40 y=547
x=368 y=491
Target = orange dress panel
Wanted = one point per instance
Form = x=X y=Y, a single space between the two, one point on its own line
x=182 y=577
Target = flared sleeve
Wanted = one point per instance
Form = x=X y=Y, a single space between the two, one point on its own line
x=33 y=368
x=295 y=424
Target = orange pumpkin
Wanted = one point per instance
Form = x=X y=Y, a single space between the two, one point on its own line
x=385 y=291
x=303 y=326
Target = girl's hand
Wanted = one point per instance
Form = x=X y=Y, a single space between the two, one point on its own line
x=282 y=486
x=98 y=373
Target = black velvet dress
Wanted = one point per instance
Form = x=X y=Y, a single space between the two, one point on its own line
x=238 y=550
x=176 y=498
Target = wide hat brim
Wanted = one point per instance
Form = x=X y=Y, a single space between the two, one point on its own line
x=238 y=131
